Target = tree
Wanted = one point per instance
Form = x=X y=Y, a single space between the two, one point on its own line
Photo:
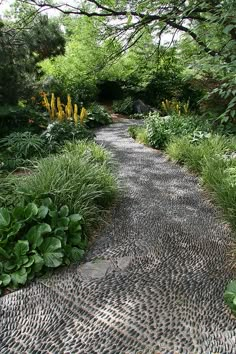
x=159 y=15
x=210 y=24
x=20 y=51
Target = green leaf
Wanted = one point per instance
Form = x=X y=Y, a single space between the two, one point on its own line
x=15 y=228
x=31 y=210
x=75 y=218
x=5 y=279
x=63 y=222
x=38 y=263
x=75 y=239
x=51 y=252
x=34 y=235
x=19 y=213
x=19 y=277
x=47 y=202
x=21 y=261
x=231 y=288
x=64 y=211
x=5 y=217
x=9 y=265
x=228 y=28
x=29 y=262
x=21 y=248
x=42 y=212
x=76 y=254
x=4 y=254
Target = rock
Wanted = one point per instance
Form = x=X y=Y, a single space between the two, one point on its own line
x=140 y=107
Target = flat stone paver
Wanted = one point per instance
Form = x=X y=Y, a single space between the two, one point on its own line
x=153 y=281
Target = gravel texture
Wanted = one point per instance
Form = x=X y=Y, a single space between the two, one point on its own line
x=153 y=281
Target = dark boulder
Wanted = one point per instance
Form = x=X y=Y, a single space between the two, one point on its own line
x=141 y=108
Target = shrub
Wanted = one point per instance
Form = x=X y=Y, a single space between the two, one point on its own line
x=219 y=175
x=58 y=133
x=79 y=178
x=194 y=151
x=23 y=145
x=161 y=130
x=8 y=197
x=14 y=118
x=18 y=148
x=214 y=159
x=123 y=106
x=34 y=238
x=138 y=133
x=97 y=116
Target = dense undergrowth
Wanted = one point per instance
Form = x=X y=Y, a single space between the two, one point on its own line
x=56 y=185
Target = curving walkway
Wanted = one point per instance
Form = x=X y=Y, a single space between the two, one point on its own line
x=153 y=281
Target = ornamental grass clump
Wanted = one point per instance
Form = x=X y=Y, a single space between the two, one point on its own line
x=79 y=177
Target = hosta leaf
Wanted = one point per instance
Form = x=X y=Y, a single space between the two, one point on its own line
x=75 y=239
x=42 y=212
x=21 y=248
x=4 y=254
x=19 y=277
x=31 y=210
x=14 y=230
x=5 y=217
x=19 y=213
x=63 y=222
x=21 y=261
x=76 y=254
x=75 y=218
x=47 y=202
x=51 y=252
x=230 y=295
x=9 y=266
x=38 y=263
x=5 y=279
x=231 y=288
x=64 y=211
x=34 y=235
x=29 y=262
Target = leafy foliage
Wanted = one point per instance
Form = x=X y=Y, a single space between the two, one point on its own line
x=97 y=116
x=138 y=133
x=36 y=237
x=21 y=50
x=123 y=106
x=160 y=130
x=57 y=133
x=16 y=118
x=23 y=145
x=79 y=177
x=214 y=159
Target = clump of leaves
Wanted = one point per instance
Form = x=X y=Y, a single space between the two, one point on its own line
x=97 y=116
x=34 y=238
x=23 y=145
x=58 y=133
x=123 y=106
x=230 y=296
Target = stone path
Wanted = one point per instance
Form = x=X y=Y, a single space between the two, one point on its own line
x=153 y=281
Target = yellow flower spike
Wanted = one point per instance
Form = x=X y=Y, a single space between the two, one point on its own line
x=69 y=107
x=76 y=117
x=83 y=115
x=46 y=103
x=53 y=110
